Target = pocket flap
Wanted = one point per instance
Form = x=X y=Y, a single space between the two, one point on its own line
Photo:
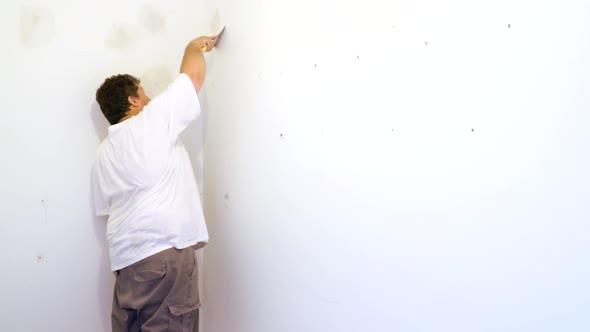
x=181 y=308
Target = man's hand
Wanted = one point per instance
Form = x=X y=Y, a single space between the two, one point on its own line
x=205 y=43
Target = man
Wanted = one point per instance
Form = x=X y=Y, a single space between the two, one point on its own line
x=143 y=180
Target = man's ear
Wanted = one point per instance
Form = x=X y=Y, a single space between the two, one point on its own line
x=133 y=101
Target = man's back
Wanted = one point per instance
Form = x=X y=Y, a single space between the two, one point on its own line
x=143 y=180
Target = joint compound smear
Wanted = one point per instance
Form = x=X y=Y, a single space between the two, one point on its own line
x=37 y=26
x=123 y=37
x=151 y=20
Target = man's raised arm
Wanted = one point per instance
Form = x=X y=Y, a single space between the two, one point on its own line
x=193 y=62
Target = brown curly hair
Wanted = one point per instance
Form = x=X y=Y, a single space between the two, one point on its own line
x=113 y=96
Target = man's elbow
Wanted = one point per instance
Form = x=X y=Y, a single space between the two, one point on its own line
x=197 y=79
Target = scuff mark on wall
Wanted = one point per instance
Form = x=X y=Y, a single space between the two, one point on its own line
x=151 y=20
x=44 y=210
x=37 y=26
x=226 y=200
x=43 y=228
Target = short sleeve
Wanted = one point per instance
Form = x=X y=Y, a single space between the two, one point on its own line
x=177 y=106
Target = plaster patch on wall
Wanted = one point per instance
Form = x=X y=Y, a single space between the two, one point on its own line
x=156 y=79
x=151 y=20
x=123 y=37
x=215 y=24
x=37 y=26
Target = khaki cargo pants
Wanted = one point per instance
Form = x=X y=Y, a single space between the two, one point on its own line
x=159 y=293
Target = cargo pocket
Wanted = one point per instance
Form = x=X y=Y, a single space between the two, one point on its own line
x=183 y=316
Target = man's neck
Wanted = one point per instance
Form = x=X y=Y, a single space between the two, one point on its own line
x=132 y=112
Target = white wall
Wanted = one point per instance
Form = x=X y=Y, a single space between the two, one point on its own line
x=55 y=267
x=398 y=166
x=378 y=209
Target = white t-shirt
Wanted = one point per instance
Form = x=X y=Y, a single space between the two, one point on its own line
x=144 y=181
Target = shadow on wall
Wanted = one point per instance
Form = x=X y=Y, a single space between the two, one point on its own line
x=99 y=122
x=106 y=280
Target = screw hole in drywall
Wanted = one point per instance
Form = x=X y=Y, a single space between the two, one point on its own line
x=472 y=130
x=509 y=26
x=425 y=43
x=226 y=200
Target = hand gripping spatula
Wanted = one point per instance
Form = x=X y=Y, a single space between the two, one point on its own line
x=204 y=47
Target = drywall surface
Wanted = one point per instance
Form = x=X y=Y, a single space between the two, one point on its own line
x=55 y=268
x=398 y=166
